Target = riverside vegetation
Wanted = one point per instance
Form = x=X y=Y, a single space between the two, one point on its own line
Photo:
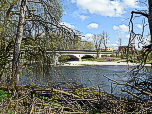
x=37 y=31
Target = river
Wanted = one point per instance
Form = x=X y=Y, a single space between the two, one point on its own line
x=87 y=75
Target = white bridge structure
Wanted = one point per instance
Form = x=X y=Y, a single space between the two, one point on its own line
x=78 y=54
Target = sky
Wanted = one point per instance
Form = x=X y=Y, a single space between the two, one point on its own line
x=112 y=16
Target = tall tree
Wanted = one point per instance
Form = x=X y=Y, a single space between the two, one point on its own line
x=35 y=20
x=78 y=46
x=150 y=19
x=140 y=37
x=140 y=84
x=89 y=46
x=8 y=20
x=105 y=38
x=120 y=41
x=97 y=40
x=16 y=55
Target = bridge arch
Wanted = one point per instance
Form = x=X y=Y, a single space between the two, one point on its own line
x=70 y=55
x=87 y=56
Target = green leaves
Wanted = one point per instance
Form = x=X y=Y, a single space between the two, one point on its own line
x=3 y=95
x=78 y=46
x=89 y=46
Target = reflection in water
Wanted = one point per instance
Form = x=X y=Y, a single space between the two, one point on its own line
x=87 y=75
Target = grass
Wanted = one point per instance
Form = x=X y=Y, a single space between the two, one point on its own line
x=90 y=65
x=103 y=60
x=115 y=59
x=137 y=61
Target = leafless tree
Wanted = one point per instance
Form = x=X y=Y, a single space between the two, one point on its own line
x=105 y=38
x=143 y=85
x=97 y=40
x=120 y=41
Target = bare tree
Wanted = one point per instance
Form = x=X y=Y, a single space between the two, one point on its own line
x=97 y=40
x=141 y=85
x=140 y=37
x=120 y=41
x=105 y=37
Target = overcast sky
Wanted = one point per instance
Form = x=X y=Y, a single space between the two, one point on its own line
x=93 y=16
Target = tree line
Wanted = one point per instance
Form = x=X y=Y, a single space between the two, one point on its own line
x=29 y=28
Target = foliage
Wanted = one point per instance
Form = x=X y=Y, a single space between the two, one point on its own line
x=9 y=19
x=99 y=40
x=7 y=31
x=64 y=57
x=78 y=46
x=113 y=54
x=3 y=95
x=122 y=54
x=130 y=55
x=89 y=46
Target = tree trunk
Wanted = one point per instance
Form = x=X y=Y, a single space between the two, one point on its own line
x=150 y=18
x=97 y=53
x=16 y=54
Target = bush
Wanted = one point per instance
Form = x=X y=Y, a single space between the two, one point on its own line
x=122 y=55
x=3 y=95
x=64 y=58
x=130 y=55
x=103 y=55
x=113 y=54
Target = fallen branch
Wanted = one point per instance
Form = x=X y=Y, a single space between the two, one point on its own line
x=127 y=84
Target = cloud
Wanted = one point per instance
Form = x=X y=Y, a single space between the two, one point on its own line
x=83 y=38
x=76 y=14
x=83 y=17
x=109 y=8
x=128 y=36
x=140 y=26
x=89 y=36
x=92 y=25
x=117 y=42
x=112 y=45
x=113 y=42
x=67 y=24
x=115 y=27
x=123 y=19
x=121 y=30
x=73 y=1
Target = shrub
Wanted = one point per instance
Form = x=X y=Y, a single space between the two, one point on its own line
x=113 y=54
x=3 y=95
x=130 y=55
x=122 y=54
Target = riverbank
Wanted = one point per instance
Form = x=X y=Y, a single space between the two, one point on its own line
x=78 y=100
x=94 y=63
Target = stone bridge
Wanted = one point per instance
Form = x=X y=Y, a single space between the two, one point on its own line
x=76 y=54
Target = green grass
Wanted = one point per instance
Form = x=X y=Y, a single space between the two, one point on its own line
x=103 y=60
x=89 y=65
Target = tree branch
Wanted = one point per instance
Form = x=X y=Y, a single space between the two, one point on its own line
x=144 y=14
